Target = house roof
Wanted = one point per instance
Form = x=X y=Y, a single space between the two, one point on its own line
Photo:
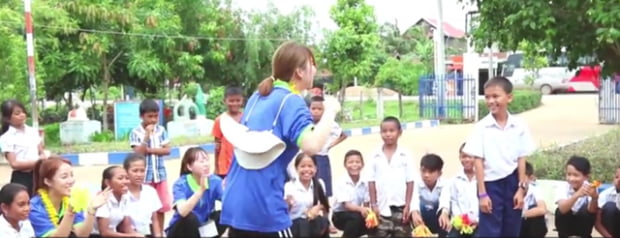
x=448 y=29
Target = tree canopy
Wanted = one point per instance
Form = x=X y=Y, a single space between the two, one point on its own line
x=580 y=28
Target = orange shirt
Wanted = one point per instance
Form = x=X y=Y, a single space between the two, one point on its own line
x=224 y=159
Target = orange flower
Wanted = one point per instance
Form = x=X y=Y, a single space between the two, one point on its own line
x=596 y=184
x=371 y=220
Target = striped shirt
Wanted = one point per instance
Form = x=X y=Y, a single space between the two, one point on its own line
x=159 y=138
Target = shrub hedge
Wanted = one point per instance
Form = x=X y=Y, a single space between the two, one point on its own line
x=603 y=152
x=522 y=100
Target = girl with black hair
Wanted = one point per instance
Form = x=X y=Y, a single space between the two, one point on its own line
x=15 y=208
x=308 y=204
x=194 y=195
x=20 y=143
x=113 y=218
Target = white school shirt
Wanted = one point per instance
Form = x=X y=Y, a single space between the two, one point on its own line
x=345 y=190
x=114 y=210
x=333 y=136
x=24 y=143
x=530 y=198
x=391 y=177
x=142 y=208
x=25 y=229
x=303 y=197
x=609 y=195
x=425 y=197
x=464 y=196
x=500 y=148
x=565 y=192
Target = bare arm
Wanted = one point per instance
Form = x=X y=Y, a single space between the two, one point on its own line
x=86 y=227
x=565 y=205
x=185 y=207
x=539 y=210
x=65 y=226
x=598 y=224
x=164 y=150
x=372 y=190
x=338 y=141
x=18 y=165
x=349 y=206
x=105 y=231
x=593 y=205
x=157 y=232
x=521 y=169
x=408 y=194
x=479 y=170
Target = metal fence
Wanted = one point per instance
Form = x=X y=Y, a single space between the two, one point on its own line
x=609 y=101
x=449 y=96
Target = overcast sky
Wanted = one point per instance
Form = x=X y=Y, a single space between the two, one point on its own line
x=407 y=12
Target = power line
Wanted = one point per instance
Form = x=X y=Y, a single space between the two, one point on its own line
x=146 y=35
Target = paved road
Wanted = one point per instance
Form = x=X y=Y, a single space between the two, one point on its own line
x=562 y=119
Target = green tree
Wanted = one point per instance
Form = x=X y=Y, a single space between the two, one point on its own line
x=351 y=50
x=582 y=28
x=403 y=76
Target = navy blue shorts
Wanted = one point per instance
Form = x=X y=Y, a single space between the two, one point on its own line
x=504 y=220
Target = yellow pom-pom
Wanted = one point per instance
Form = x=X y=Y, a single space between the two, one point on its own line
x=79 y=199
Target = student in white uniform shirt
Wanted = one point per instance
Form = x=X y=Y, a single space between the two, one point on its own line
x=390 y=185
x=308 y=204
x=15 y=208
x=143 y=200
x=21 y=144
x=430 y=204
x=463 y=192
x=113 y=217
x=608 y=216
x=351 y=198
x=534 y=224
x=577 y=200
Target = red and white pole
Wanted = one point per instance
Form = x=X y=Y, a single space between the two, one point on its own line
x=30 y=51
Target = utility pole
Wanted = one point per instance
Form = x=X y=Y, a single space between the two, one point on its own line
x=30 y=52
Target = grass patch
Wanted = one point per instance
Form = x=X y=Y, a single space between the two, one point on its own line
x=365 y=115
x=603 y=152
x=116 y=146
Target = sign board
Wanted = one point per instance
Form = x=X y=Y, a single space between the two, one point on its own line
x=127 y=117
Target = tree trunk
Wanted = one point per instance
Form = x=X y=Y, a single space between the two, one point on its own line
x=361 y=105
x=341 y=98
x=400 y=105
x=107 y=79
x=106 y=84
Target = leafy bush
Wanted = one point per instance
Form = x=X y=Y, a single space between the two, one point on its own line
x=52 y=134
x=602 y=151
x=104 y=136
x=215 y=105
x=522 y=100
x=53 y=115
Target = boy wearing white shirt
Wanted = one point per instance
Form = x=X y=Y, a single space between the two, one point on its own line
x=500 y=142
x=608 y=216
x=430 y=204
x=463 y=192
x=534 y=222
x=390 y=184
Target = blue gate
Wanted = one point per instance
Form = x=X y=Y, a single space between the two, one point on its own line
x=609 y=101
x=449 y=96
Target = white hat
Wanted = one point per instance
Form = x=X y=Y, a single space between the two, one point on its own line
x=253 y=149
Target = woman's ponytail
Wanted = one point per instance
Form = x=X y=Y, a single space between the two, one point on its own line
x=265 y=86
